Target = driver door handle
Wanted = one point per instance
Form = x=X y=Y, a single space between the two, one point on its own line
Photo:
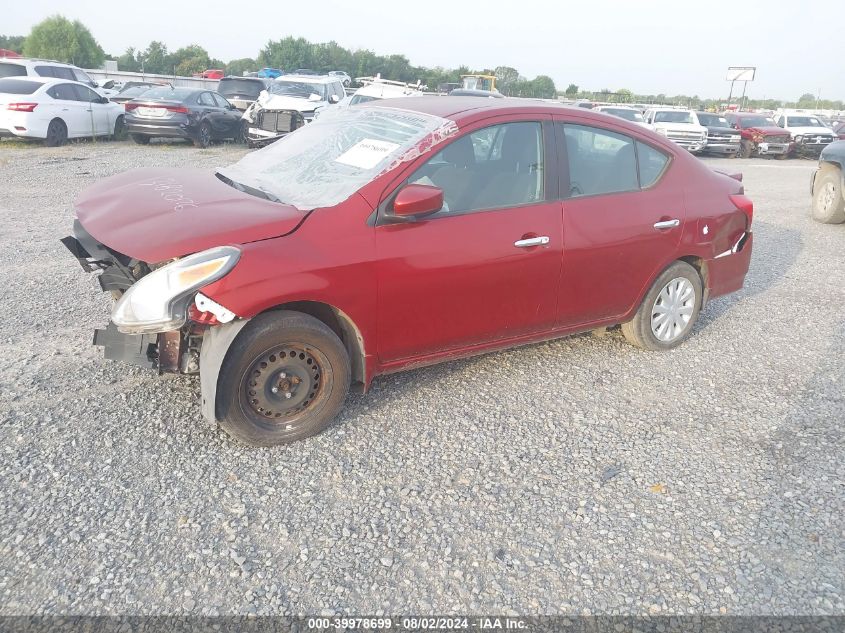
x=667 y=224
x=532 y=241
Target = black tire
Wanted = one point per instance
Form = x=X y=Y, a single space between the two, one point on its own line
x=243 y=133
x=141 y=139
x=288 y=351
x=746 y=149
x=56 y=133
x=828 y=200
x=203 y=138
x=639 y=332
x=119 y=129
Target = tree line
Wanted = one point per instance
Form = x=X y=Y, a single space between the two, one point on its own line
x=70 y=41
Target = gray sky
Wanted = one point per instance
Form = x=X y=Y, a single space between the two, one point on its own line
x=657 y=46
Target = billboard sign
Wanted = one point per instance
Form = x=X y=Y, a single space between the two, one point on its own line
x=741 y=73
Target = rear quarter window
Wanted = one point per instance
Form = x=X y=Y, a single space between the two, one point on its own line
x=18 y=86
x=652 y=164
x=12 y=70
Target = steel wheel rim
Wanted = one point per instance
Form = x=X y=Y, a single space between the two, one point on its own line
x=285 y=383
x=205 y=135
x=827 y=195
x=672 y=310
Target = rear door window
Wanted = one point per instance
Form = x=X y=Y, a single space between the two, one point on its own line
x=60 y=72
x=600 y=161
x=12 y=70
x=64 y=92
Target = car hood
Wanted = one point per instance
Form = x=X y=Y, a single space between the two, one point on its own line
x=689 y=127
x=718 y=129
x=158 y=214
x=811 y=131
x=286 y=102
x=767 y=130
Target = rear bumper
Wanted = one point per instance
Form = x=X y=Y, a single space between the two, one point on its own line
x=726 y=272
x=178 y=129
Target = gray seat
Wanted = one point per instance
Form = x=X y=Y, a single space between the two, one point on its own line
x=513 y=179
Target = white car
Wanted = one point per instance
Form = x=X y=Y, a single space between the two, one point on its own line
x=289 y=102
x=344 y=77
x=809 y=135
x=623 y=112
x=375 y=88
x=678 y=125
x=27 y=67
x=55 y=110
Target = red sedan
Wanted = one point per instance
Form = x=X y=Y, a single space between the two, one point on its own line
x=399 y=234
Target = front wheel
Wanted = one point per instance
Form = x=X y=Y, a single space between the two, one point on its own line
x=668 y=311
x=119 y=129
x=828 y=200
x=284 y=378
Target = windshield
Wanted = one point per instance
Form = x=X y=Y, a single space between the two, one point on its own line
x=803 y=121
x=234 y=87
x=672 y=117
x=624 y=113
x=300 y=89
x=713 y=120
x=362 y=99
x=325 y=162
x=133 y=91
x=756 y=121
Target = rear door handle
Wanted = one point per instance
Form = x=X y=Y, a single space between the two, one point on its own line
x=532 y=241
x=667 y=224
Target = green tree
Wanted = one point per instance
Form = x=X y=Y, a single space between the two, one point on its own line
x=129 y=61
x=506 y=78
x=623 y=95
x=572 y=91
x=12 y=42
x=155 y=59
x=58 y=38
x=189 y=60
x=237 y=67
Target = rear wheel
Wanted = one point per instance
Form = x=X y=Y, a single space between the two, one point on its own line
x=668 y=311
x=56 y=133
x=119 y=129
x=141 y=139
x=203 y=138
x=284 y=378
x=828 y=201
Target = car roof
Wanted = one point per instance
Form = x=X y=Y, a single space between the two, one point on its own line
x=24 y=60
x=47 y=81
x=459 y=108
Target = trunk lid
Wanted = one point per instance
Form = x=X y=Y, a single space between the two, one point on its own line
x=158 y=214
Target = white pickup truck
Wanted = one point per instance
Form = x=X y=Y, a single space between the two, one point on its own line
x=680 y=126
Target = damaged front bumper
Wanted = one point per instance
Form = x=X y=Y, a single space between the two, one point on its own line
x=270 y=125
x=176 y=351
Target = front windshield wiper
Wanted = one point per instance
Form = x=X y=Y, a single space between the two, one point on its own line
x=253 y=191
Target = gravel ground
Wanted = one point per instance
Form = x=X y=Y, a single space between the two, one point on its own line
x=577 y=476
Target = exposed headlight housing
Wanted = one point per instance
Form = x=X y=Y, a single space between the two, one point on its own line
x=662 y=131
x=798 y=138
x=159 y=301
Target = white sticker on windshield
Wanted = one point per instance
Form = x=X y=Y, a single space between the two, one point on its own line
x=366 y=154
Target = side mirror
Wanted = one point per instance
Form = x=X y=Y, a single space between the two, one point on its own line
x=314 y=97
x=334 y=99
x=417 y=201
x=103 y=100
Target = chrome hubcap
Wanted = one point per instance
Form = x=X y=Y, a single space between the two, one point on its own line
x=826 y=196
x=672 y=310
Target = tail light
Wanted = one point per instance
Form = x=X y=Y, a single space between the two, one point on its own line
x=745 y=205
x=170 y=108
x=22 y=107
